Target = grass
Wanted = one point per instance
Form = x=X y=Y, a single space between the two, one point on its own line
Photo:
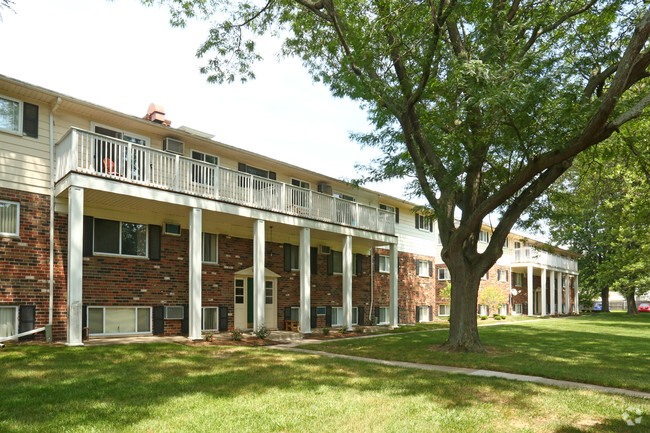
x=170 y=387
x=609 y=349
x=444 y=324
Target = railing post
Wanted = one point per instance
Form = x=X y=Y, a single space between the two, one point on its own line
x=357 y=221
x=311 y=204
x=283 y=197
x=377 y=219
x=334 y=217
x=177 y=172
x=73 y=157
x=215 y=181
x=129 y=162
x=250 y=190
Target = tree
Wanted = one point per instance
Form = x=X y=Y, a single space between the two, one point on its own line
x=482 y=104
x=493 y=297
x=601 y=208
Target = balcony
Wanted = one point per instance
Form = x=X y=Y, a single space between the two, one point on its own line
x=86 y=152
x=539 y=257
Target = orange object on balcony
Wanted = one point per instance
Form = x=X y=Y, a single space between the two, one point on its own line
x=109 y=167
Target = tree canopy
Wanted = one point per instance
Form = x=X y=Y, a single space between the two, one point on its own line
x=483 y=104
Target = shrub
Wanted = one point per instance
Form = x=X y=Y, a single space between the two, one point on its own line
x=326 y=331
x=358 y=330
x=343 y=330
x=497 y=317
x=262 y=333
x=484 y=317
x=236 y=335
x=209 y=336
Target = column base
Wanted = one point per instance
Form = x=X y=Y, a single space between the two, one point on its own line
x=74 y=344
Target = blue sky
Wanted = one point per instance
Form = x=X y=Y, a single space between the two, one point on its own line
x=123 y=55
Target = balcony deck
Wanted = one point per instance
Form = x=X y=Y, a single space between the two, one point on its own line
x=536 y=256
x=98 y=155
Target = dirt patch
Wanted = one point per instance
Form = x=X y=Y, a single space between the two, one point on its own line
x=335 y=335
x=247 y=342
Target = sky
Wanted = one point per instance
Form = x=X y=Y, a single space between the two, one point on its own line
x=123 y=55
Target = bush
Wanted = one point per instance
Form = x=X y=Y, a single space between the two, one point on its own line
x=359 y=330
x=326 y=331
x=484 y=317
x=236 y=335
x=497 y=317
x=262 y=333
x=209 y=336
x=343 y=330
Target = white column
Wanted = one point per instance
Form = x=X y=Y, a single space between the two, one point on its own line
x=347 y=282
x=305 y=281
x=552 y=290
x=75 y=265
x=543 y=309
x=258 y=274
x=530 y=290
x=567 y=294
x=196 y=228
x=394 y=317
x=577 y=298
x=558 y=277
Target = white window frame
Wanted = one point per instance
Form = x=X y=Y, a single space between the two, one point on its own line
x=334 y=254
x=17 y=233
x=485 y=276
x=295 y=257
x=424 y=224
x=147 y=140
x=388 y=208
x=15 y=308
x=339 y=313
x=519 y=308
x=423 y=264
x=150 y=331
x=502 y=275
x=386 y=315
x=424 y=317
x=446 y=276
x=484 y=236
x=269 y=285
x=297 y=313
x=216 y=247
x=101 y=253
x=169 y=307
x=503 y=310
x=301 y=183
x=241 y=286
x=203 y=154
x=384 y=264
x=446 y=308
x=168 y=233
x=345 y=197
x=321 y=311
x=518 y=279
x=19 y=131
x=203 y=328
x=506 y=244
x=483 y=309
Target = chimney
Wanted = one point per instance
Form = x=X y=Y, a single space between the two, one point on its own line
x=156 y=114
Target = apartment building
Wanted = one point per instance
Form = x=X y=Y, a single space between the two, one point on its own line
x=116 y=225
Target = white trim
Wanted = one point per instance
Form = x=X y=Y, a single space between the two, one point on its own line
x=203 y=328
x=446 y=276
x=168 y=307
x=426 y=273
x=308 y=187
x=147 y=140
x=340 y=315
x=204 y=154
x=15 y=308
x=216 y=236
x=17 y=218
x=387 y=314
x=446 y=308
x=150 y=331
x=165 y=232
x=103 y=253
x=426 y=316
x=19 y=132
x=386 y=260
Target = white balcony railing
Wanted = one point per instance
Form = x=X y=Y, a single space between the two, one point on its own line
x=85 y=152
x=536 y=256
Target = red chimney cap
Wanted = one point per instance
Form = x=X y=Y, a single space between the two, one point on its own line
x=156 y=113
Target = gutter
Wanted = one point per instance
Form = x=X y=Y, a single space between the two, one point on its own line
x=52 y=198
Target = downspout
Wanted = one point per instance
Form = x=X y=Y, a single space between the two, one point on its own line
x=372 y=282
x=52 y=174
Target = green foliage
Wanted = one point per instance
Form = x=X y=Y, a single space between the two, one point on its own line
x=236 y=335
x=326 y=331
x=262 y=332
x=444 y=294
x=484 y=317
x=493 y=297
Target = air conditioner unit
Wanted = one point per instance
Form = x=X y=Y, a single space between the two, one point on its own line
x=174 y=146
x=325 y=250
x=325 y=188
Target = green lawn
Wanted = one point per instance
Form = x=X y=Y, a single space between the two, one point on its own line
x=606 y=348
x=170 y=387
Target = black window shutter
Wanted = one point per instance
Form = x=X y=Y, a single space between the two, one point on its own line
x=241 y=167
x=287 y=313
x=430 y=313
x=330 y=264
x=313 y=319
x=431 y=226
x=507 y=275
x=376 y=262
x=158 y=320
x=397 y=215
x=287 y=257
x=30 y=120
x=155 y=233
x=27 y=318
x=417 y=314
x=272 y=175
x=430 y=268
x=185 y=323
x=313 y=258
x=223 y=317
x=84 y=316
x=417 y=221
x=360 y=314
x=376 y=314
x=88 y=236
x=328 y=316
x=359 y=264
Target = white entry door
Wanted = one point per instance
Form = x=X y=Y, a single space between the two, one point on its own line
x=244 y=301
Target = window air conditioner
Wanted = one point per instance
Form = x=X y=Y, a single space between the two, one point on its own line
x=174 y=146
x=325 y=250
x=325 y=188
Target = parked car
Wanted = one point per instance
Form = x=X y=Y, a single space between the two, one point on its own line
x=644 y=308
x=598 y=306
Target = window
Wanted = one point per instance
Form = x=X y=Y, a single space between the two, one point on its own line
x=483 y=310
x=506 y=244
x=210 y=319
x=256 y=171
x=485 y=275
x=295 y=313
x=484 y=236
x=423 y=223
x=300 y=194
x=517 y=279
x=343 y=196
x=384 y=264
x=383 y=316
x=443 y=310
x=111 y=156
x=119 y=320
x=8 y=321
x=519 y=308
x=503 y=310
x=121 y=238
x=337 y=316
x=294 y=256
x=423 y=314
x=337 y=262
x=173 y=313
x=201 y=174
x=10 y=118
x=268 y=292
x=423 y=268
x=210 y=246
x=502 y=275
x=239 y=291
x=300 y=184
x=517 y=244
x=320 y=311
x=443 y=274
x=172 y=229
x=9 y=218
x=392 y=209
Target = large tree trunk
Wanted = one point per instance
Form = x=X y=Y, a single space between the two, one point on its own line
x=463 y=329
x=604 y=296
x=631 y=304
